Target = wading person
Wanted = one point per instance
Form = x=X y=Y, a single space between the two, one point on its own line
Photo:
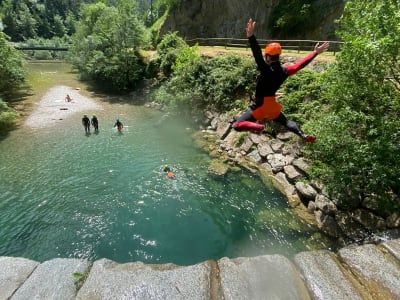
x=86 y=123
x=272 y=76
x=95 y=123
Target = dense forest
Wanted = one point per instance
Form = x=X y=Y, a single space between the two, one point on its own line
x=352 y=105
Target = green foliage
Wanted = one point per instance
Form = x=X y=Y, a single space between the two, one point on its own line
x=27 y=19
x=8 y=116
x=303 y=95
x=11 y=66
x=295 y=18
x=242 y=138
x=168 y=51
x=202 y=82
x=106 y=44
x=358 y=140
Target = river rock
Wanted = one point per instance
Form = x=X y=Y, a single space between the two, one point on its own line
x=380 y=276
x=223 y=129
x=218 y=167
x=258 y=138
x=301 y=164
x=368 y=219
x=214 y=123
x=393 y=247
x=246 y=146
x=324 y=277
x=254 y=155
x=306 y=191
x=350 y=227
x=285 y=136
x=53 y=279
x=324 y=204
x=110 y=280
x=287 y=187
x=277 y=145
x=13 y=272
x=291 y=173
x=261 y=277
x=393 y=221
x=264 y=149
x=327 y=223
x=277 y=162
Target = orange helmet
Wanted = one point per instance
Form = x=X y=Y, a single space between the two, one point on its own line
x=273 y=49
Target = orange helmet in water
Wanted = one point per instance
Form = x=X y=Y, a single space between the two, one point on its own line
x=273 y=49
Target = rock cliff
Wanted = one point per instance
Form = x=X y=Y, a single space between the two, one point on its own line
x=227 y=18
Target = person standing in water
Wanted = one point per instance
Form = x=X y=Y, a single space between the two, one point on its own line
x=86 y=123
x=119 y=125
x=272 y=76
x=95 y=123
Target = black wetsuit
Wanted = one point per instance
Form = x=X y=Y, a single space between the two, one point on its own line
x=95 y=123
x=86 y=123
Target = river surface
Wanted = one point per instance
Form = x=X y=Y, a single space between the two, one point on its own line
x=67 y=194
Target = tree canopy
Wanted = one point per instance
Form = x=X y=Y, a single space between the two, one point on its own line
x=359 y=149
x=106 y=44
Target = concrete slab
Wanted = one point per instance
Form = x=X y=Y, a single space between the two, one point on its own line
x=374 y=270
x=53 y=280
x=110 y=280
x=323 y=276
x=261 y=277
x=393 y=247
x=13 y=272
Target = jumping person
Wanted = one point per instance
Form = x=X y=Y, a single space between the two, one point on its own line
x=95 y=123
x=272 y=76
x=86 y=123
x=119 y=125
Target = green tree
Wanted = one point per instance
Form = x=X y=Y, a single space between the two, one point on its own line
x=106 y=44
x=359 y=145
x=11 y=75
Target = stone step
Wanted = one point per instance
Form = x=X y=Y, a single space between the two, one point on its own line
x=356 y=272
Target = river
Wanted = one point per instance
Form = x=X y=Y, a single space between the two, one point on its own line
x=67 y=194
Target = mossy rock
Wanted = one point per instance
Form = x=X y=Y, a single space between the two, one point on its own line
x=282 y=220
x=218 y=167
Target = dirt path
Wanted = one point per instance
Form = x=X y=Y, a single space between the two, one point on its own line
x=54 y=108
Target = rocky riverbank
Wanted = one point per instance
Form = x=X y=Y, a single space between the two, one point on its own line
x=281 y=159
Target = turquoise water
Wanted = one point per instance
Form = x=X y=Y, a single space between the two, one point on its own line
x=66 y=194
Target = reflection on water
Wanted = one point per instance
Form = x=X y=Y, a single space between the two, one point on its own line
x=64 y=194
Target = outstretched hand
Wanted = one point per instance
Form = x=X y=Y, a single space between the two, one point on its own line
x=250 y=27
x=321 y=48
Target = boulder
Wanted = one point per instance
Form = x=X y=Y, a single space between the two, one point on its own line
x=291 y=173
x=306 y=191
x=277 y=162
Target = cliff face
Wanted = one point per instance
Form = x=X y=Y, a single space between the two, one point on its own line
x=227 y=18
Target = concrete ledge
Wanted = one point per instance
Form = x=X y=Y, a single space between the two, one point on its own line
x=357 y=272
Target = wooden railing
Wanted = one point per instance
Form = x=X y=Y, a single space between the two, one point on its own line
x=299 y=45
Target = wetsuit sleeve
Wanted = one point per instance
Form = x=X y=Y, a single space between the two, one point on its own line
x=256 y=50
x=293 y=69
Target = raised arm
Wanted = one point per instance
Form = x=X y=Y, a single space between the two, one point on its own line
x=318 y=49
x=255 y=47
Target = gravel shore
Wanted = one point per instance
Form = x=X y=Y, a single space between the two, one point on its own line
x=54 y=108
